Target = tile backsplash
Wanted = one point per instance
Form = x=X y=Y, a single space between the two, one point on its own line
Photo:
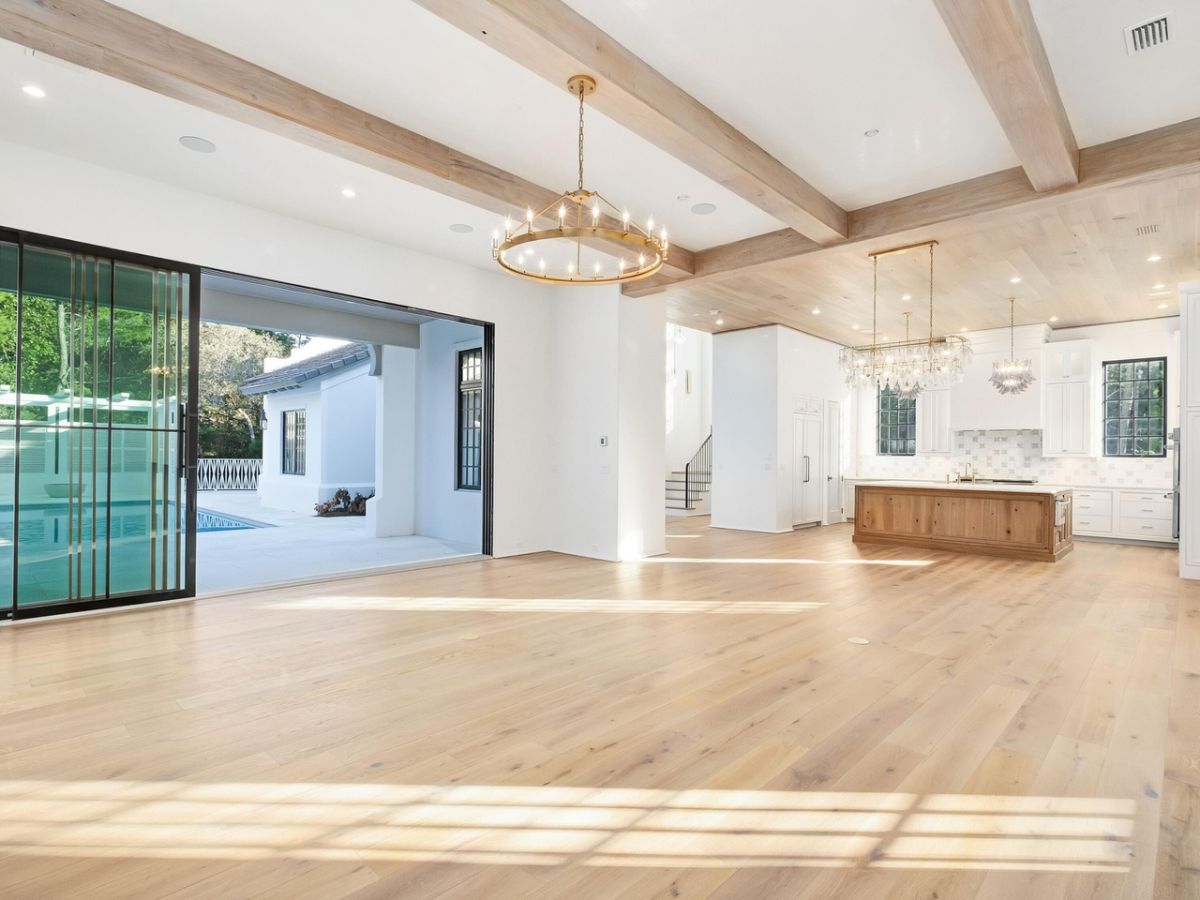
x=1017 y=454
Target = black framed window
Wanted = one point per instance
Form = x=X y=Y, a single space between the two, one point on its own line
x=1135 y=407
x=897 y=424
x=294 y=437
x=470 y=420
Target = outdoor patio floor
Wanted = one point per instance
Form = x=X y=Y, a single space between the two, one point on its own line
x=298 y=546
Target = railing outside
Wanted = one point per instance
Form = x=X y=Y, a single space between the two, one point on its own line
x=697 y=474
x=214 y=474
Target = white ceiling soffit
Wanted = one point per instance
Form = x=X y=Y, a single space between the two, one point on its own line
x=110 y=123
x=806 y=79
x=1110 y=93
x=400 y=62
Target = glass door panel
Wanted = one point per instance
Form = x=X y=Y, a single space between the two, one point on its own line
x=8 y=418
x=98 y=444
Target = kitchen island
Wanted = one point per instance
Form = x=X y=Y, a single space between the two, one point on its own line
x=1023 y=521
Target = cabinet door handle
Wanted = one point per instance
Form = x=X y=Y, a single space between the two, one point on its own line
x=807 y=472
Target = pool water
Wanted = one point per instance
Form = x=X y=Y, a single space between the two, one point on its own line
x=63 y=556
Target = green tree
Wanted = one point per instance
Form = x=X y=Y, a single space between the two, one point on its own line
x=229 y=355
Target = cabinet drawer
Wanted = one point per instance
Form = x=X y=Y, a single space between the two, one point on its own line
x=1149 y=529
x=1090 y=524
x=1093 y=495
x=1099 y=505
x=1144 y=506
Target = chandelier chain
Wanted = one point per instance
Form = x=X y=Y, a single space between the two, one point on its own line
x=931 y=295
x=581 y=93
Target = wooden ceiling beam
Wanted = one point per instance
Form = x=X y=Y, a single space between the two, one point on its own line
x=551 y=39
x=1001 y=45
x=1167 y=152
x=113 y=41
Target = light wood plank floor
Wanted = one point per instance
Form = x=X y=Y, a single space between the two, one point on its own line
x=693 y=726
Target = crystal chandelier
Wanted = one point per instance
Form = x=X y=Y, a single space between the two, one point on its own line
x=584 y=218
x=1012 y=376
x=909 y=366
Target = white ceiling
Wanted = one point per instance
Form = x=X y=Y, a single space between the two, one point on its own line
x=1109 y=94
x=806 y=78
x=120 y=126
x=398 y=61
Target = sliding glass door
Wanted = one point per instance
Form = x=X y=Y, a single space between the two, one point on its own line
x=96 y=382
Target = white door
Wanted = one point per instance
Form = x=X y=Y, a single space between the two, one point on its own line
x=833 y=462
x=806 y=470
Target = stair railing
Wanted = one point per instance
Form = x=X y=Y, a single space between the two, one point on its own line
x=697 y=474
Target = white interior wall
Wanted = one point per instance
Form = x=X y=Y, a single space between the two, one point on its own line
x=535 y=358
x=641 y=521
x=442 y=510
x=689 y=413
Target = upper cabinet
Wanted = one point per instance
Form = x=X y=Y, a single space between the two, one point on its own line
x=1070 y=394
x=934 y=434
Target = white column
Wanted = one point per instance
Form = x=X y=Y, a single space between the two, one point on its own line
x=1189 y=425
x=393 y=510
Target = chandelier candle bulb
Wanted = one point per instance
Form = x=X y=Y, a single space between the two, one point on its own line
x=625 y=220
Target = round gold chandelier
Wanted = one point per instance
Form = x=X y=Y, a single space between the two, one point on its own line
x=584 y=217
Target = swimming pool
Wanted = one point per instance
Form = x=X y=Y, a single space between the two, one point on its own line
x=62 y=553
x=211 y=520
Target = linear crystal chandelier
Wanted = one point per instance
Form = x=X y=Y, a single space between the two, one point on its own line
x=1012 y=375
x=585 y=219
x=908 y=366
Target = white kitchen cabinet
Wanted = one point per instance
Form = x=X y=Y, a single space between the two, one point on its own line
x=1068 y=399
x=1067 y=419
x=1124 y=515
x=1068 y=361
x=934 y=434
x=807 y=477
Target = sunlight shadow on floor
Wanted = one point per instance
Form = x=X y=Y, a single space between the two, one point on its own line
x=545 y=605
x=526 y=825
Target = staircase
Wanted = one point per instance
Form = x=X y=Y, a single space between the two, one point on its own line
x=687 y=490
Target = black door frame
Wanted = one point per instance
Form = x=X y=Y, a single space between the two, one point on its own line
x=191 y=442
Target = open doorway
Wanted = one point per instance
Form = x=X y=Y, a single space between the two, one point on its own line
x=335 y=435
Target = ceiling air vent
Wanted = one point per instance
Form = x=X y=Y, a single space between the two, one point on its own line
x=1147 y=35
x=1147 y=229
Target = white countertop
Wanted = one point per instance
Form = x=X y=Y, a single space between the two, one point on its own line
x=918 y=482
x=970 y=486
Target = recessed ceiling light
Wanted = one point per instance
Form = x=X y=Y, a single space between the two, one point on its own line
x=854 y=328
x=1158 y=287
x=198 y=144
x=1016 y=279
x=720 y=321
x=964 y=328
x=906 y=297
x=816 y=312
x=704 y=209
x=1162 y=306
x=1054 y=318
x=1153 y=257
x=34 y=91
x=871 y=132
x=349 y=193
x=461 y=228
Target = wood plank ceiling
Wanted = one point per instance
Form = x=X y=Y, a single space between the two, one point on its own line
x=1083 y=261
